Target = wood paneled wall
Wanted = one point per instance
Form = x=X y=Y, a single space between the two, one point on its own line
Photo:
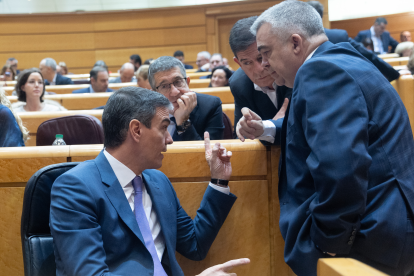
x=396 y=24
x=82 y=39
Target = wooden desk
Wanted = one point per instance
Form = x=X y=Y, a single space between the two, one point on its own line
x=345 y=267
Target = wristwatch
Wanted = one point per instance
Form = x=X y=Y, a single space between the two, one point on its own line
x=184 y=126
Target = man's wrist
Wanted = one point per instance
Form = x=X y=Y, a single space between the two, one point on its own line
x=220 y=182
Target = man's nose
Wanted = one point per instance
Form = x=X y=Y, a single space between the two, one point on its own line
x=265 y=62
x=174 y=90
x=169 y=139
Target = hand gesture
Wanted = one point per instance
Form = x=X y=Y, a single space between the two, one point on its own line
x=218 y=159
x=282 y=110
x=186 y=103
x=223 y=269
x=250 y=125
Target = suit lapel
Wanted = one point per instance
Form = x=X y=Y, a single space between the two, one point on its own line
x=116 y=195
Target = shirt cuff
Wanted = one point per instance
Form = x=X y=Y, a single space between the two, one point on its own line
x=269 y=133
x=220 y=189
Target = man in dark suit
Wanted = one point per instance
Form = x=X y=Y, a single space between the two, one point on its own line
x=48 y=69
x=346 y=179
x=380 y=37
x=337 y=36
x=99 y=81
x=117 y=214
x=180 y=56
x=193 y=113
x=252 y=85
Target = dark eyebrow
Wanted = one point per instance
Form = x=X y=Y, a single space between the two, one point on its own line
x=166 y=120
x=261 y=48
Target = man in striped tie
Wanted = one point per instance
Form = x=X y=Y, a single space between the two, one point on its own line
x=117 y=215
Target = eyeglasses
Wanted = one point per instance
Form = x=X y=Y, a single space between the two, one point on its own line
x=165 y=88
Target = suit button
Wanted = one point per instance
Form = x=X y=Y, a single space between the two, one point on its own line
x=352 y=238
x=353 y=233
x=350 y=243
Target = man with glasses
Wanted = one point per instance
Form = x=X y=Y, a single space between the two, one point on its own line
x=193 y=113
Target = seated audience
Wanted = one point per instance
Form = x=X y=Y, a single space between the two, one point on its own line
x=12 y=131
x=142 y=77
x=380 y=37
x=126 y=74
x=136 y=61
x=118 y=215
x=7 y=73
x=148 y=61
x=368 y=44
x=99 y=81
x=404 y=49
x=405 y=36
x=30 y=89
x=215 y=60
x=220 y=76
x=180 y=56
x=101 y=63
x=203 y=58
x=48 y=69
x=64 y=68
x=193 y=113
x=13 y=63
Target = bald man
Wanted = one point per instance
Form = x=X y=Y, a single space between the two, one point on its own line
x=126 y=74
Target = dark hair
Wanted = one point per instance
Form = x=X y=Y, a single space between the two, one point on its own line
x=125 y=105
x=95 y=70
x=148 y=61
x=163 y=64
x=22 y=79
x=226 y=70
x=178 y=53
x=136 y=58
x=368 y=42
x=101 y=63
x=317 y=6
x=380 y=20
x=4 y=69
x=240 y=36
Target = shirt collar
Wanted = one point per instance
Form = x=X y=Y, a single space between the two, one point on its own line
x=91 y=89
x=54 y=79
x=373 y=34
x=124 y=174
x=265 y=89
x=311 y=54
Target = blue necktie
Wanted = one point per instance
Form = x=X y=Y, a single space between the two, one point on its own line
x=144 y=226
x=175 y=135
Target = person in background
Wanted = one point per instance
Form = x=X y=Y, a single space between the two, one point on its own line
x=148 y=61
x=64 y=68
x=136 y=61
x=404 y=49
x=48 y=69
x=99 y=81
x=101 y=63
x=126 y=74
x=142 y=77
x=405 y=36
x=220 y=76
x=7 y=73
x=215 y=60
x=13 y=63
x=30 y=90
x=12 y=131
x=368 y=44
x=203 y=58
x=380 y=37
x=180 y=56
x=410 y=64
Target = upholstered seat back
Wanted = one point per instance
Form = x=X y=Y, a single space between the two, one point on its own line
x=76 y=130
x=228 y=129
x=37 y=242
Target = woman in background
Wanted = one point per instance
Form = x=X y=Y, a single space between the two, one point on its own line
x=220 y=76
x=142 y=77
x=8 y=73
x=12 y=131
x=30 y=89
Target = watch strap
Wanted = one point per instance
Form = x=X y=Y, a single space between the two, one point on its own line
x=219 y=181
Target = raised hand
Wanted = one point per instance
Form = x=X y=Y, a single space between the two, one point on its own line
x=224 y=269
x=186 y=103
x=250 y=125
x=218 y=159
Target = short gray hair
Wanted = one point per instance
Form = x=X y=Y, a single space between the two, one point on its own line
x=291 y=16
x=217 y=54
x=128 y=64
x=205 y=54
x=317 y=6
x=50 y=62
x=404 y=46
x=162 y=64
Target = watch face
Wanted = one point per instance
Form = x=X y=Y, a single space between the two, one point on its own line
x=184 y=126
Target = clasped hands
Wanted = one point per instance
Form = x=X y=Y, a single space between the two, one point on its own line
x=186 y=103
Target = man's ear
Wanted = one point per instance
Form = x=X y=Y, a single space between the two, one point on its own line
x=188 y=81
x=135 y=130
x=297 y=43
x=236 y=61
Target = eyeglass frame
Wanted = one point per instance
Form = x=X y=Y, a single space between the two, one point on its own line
x=169 y=84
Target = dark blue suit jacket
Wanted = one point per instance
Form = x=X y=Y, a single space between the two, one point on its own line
x=86 y=90
x=10 y=133
x=206 y=116
x=60 y=80
x=95 y=232
x=245 y=95
x=347 y=163
x=387 y=40
x=187 y=66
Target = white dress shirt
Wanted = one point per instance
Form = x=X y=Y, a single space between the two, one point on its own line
x=269 y=133
x=171 y=127
x=271 y=93
x=376 y=40
x=125 y=177
x=54 y=80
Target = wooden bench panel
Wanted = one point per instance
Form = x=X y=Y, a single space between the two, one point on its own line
x=406 y=92
x=191 y=74
x=397 y=61
x=345 y=267
x=386 y=56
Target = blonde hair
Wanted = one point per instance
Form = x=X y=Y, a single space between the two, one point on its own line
x=410 y=64
x=143 y=72
x=5 y=101
x=404 y=46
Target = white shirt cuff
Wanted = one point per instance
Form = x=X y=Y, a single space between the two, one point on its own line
x=220 y=189
x=269 y=133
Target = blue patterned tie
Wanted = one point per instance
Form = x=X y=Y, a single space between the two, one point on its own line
x=144 y=226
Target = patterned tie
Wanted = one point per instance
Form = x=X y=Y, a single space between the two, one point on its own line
x=144 y=226
x=175 y=135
